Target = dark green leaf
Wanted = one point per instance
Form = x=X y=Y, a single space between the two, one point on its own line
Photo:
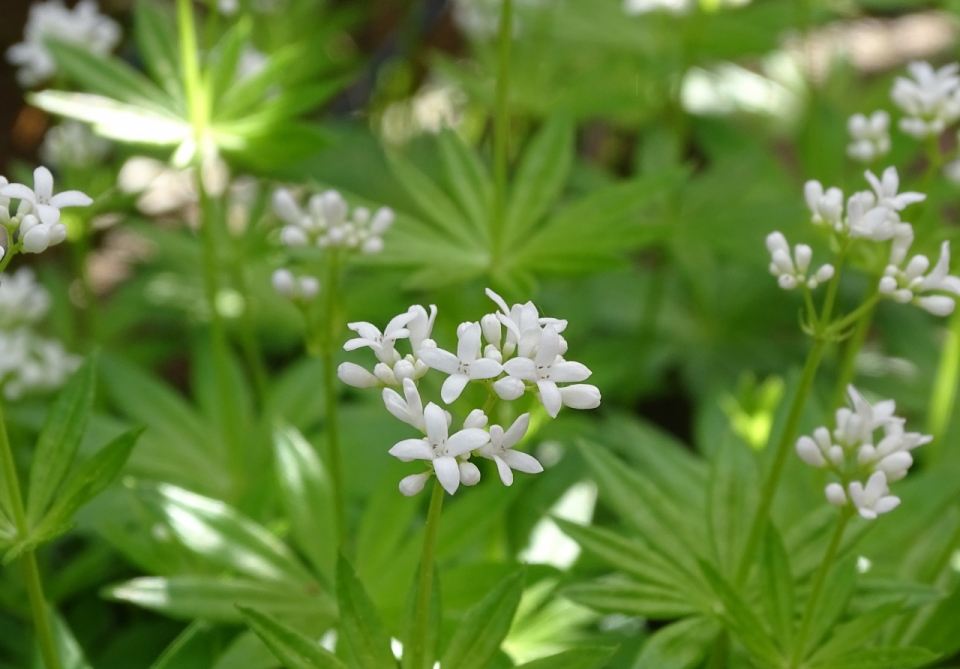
x=485 y=626
x=468 y=180
x=579 y=658
x=881 y=658
x=360 y=626
x=682 y=645
x=856 y=633
x=732 y=497
x=291 y=647
x=621 y=595
x=60 y=438
x=433 y=621
x=777 y=589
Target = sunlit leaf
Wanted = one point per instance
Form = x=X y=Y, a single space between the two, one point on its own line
x=360 y=625
x=292 y=648
x=485 y=626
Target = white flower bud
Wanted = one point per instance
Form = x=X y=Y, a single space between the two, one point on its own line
x=476 y=419
x=803 y=254
x=836 y=494
x=776 y=242
x=835 y=453
x=787 y=281
x=580 y=396
x=897 y=462
x=492 y=330
x=509 y=388
x=334 y=208
x=28 y=223
x=372 y=245
x=384 y=372
x=356 y=376
x=809 y=452
x=413 y=484
x=286 y=207
x=888 y=285
x=37 y=240
x=292 y=235
x=903 y=295
x=493 y=353
x=284 y=283
x=825 y=273
x=57 y=233
x=309 y=287
x=469 y=473
x=404 y=369
x=382 y=220
x=938 y=305
x=361 y=215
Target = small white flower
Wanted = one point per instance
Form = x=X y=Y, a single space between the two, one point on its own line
x=382 y=343
x=500 y=450
x=440 y=448
x=792 y=272
x=870 y=137
x=421 y=326
x=524 y=324
x=43 y=202
x=295 y=288
x=874 y=498
x=547 y=370
x=328 y=222
x=354 y=375
x=886 y=191
x=73 y=144
x=911 y=283
x=463 y=367
x=826 y=207
x=409 y=408
x=931 y=99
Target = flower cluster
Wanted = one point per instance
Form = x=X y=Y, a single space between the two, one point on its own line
x=36 y=226
x=523 y=353
x=792 y=272
x=870 y=136
x=850 y=453
x=28 y=362
x=83 y=26
x=328 y=222
x=73 y=144
x=931 y=99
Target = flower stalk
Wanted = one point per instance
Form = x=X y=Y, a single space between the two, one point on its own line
x=944 y=393
x=421 y=623
x=334 y=454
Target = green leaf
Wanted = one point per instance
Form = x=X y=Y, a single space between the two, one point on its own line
x=307 y=498
x=383 y=528
x=70 y=653
x=291 y=647
x=856 y=633
x=468 y=180
x=616 y=594
x=740 y=620
x=114 y=120
x=224 y=536
x=223 y=70
x=485 y=626
x=215 y=598
x=682 y=645
x=60 y=438
x=578 y=658
x=187 y=644
x=157 y=43
x=110 y=77
x=779 y=602
x=732 y=497
x=838 y=589
x=360 y=626
x=88 y=481
x=881 y=658
x=244 y=94
x=408 y=628
x=540 y=177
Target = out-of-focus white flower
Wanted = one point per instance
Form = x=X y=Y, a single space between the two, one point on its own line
x=83 y=26
x=29 y=363
x=228 y=7
x=874 y=498
x=293 y=287
x=931 y=99
x=22 y=300
x=73 y=144
x=678 y=7
x=500 y=450
x=792 y=272
x=826 y=206
x=327 y=221
x=886 y=191
x=251 y=63
x=869 y=136
x=913 y=284
x=162 y=189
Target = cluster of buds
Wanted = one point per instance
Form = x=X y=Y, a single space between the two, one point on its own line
x=328 y=222
x=792 y=272
x=849 y=452
x=913 y=283
x=869 y=136
x=35 y=225
x=931 y=99
x=523 y=353
x=295 y=288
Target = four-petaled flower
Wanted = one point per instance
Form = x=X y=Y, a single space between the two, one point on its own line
x=382 y=343
x=874 y=498
x=463 y=367
x=500 y=450
x=44 y=203
x=547 y=369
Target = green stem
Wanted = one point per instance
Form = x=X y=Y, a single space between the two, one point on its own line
x=191 y=66
x=248 y=335
x=855 y=315
x=784 y=447
x=944 y=387
x=31 y=572
x=8 y=256
x=501 y=129
x=421 y=623
x=818 y=582
x=334 y=454
x=848 y=363
x=88 y=314
x=720 y=653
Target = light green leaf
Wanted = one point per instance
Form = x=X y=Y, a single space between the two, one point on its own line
x=732 y=495
x=408 y=625
x=578 y=658
x=856 y=633
x=215 y=598
x=70 y=653
x=682 y=645
x=838 y=589
x=60 y=438
x=224 y=536
x=184 y=646
x=485 y=626
x=226 y=58
x=740 y=620
x=307 y=498
x=468 y=180
x=114 y=120
x=244 y=94
x=881 y=658
x=384 y=525
x=290 y=646
x=540 y=178
x=777 y=589
x=360 y=625
x=615 y=594
x=157 y=42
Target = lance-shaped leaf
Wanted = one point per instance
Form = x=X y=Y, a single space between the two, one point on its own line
x=305 y=487
x=433 y=622
x=578 y=658
x=682 y=645
x=777 y=591
x=360 y=626
x=856 y=633
x=69 y=651
x=468 y=180
x=291 y=647
x=880 y=658
x=60 y=438
x=157 y=41
x=224 y=536
x=616 y=594
x=485 y=626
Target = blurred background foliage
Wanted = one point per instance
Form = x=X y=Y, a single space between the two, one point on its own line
x=664 y=147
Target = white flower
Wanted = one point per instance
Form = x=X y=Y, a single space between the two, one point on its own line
x=83 y=26
x=356 y=376
x=676 y=7
x=868 y=221
x=43 y=202
x=22 y=300
x=580 y=396
x=440 y=448
x=325 y=222
x=465 y=366
x=500 y=450
x=295 y=288
x=73 y=144
x=409 y=408
x=931 y=99
x=886 y=191
x=909 y=284
x=870 y=136
x=826 y=207
x=547 y=370
x=874 y=498
x=29 y=363
x=421 y=326
x=523 y=323
x=791 y=272
x=382 y=343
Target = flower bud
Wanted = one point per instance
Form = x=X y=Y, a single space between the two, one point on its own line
x=493 y=353
x=372 y=245
x=492 y=330
x=334 y=207
x=809 y=452
x=382 y=220
x=469 y=474
x=36 y=240
x=938 y=305
x=835 y=494
x=404 y=369
x=356 y=376
x=887 y=285
x=508 y=388
x=284 y=283
x=292 y=235
x=285 y=207
x=476 y=419
x=309 y=287
x=580 y=396
x=384 y=372
x=413 y=484
x=57 y=233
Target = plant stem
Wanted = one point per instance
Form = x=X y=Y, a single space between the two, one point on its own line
x=848 y=363
x=944 y=392
x=334 y=455
x=759 y=523
x=31 y=572
x=818 y=582
x=501 y=128
x=421 y=623
x=191 y=67
x=89 y=317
